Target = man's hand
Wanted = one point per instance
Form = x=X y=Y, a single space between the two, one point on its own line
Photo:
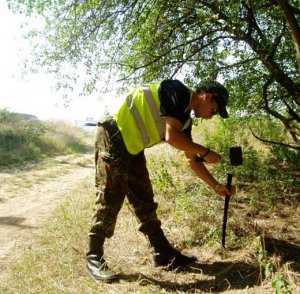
x=212 y=157
x=223 y=190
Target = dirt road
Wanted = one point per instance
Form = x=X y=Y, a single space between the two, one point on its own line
x=28 y=196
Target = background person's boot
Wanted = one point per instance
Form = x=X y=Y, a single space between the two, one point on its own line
x=96 y=264
x=165 y=255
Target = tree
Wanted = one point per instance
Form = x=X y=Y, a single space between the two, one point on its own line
x=246 y=43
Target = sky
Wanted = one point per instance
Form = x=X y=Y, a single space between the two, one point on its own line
x=35 y=93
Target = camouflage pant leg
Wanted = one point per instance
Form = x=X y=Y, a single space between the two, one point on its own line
x=118 y=173
x=140 y=195
x=111 y=181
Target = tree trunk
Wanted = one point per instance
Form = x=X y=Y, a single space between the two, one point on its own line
x=293 y=25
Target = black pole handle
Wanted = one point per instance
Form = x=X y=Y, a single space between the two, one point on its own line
x=229 y=180
x=226 y=205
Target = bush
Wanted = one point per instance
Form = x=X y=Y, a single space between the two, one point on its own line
x=24 y=138
x=260 y=178
x=266 y=172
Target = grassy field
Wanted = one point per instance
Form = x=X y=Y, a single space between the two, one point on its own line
x=261 y=254
x=30 y=140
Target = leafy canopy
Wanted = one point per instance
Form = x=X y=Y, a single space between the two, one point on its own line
x=248 y=44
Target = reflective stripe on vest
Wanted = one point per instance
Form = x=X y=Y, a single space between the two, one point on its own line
x=139 y=120
x=155 y=112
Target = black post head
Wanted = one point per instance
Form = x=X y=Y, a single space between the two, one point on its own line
x=236 y=156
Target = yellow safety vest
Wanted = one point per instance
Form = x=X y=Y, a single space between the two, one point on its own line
x=139 y=119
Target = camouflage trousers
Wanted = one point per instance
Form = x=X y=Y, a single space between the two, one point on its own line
x=118 y=175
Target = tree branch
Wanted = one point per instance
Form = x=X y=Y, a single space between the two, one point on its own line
x=294 y=26
x=285 y=121
x=261 y=49
x=266 y=102
x=291 y=111
x=228 y=66
x=157 y=58
x=252 y=23
x=276 y=42
x=273 y=142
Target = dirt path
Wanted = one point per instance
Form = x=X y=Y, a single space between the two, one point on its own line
x=28 y=197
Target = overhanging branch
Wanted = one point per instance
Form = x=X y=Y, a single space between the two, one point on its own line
x=274 y=142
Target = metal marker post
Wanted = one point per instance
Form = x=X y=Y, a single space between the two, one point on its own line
x=226 y=205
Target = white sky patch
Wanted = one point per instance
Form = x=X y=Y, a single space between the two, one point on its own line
x=35 y=94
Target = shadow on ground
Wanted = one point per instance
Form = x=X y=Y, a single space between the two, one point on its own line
x=14 y=221
x=26 y=166
x=87 y=165
x=224 y=276
x=287 y=251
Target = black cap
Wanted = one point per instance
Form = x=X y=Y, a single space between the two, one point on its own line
x=222 y=95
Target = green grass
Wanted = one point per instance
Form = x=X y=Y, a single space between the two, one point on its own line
x=23 y=140
x=55 y=261
x=190 y=212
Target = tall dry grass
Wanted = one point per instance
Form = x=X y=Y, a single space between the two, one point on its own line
x=23 y=139
x=191 y=215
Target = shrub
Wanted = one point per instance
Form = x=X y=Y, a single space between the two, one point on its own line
x=266 y=170
x=23 y=138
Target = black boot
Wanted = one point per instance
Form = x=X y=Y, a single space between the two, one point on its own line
x=96 y=265
x=99 y=270
x=165 y=255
